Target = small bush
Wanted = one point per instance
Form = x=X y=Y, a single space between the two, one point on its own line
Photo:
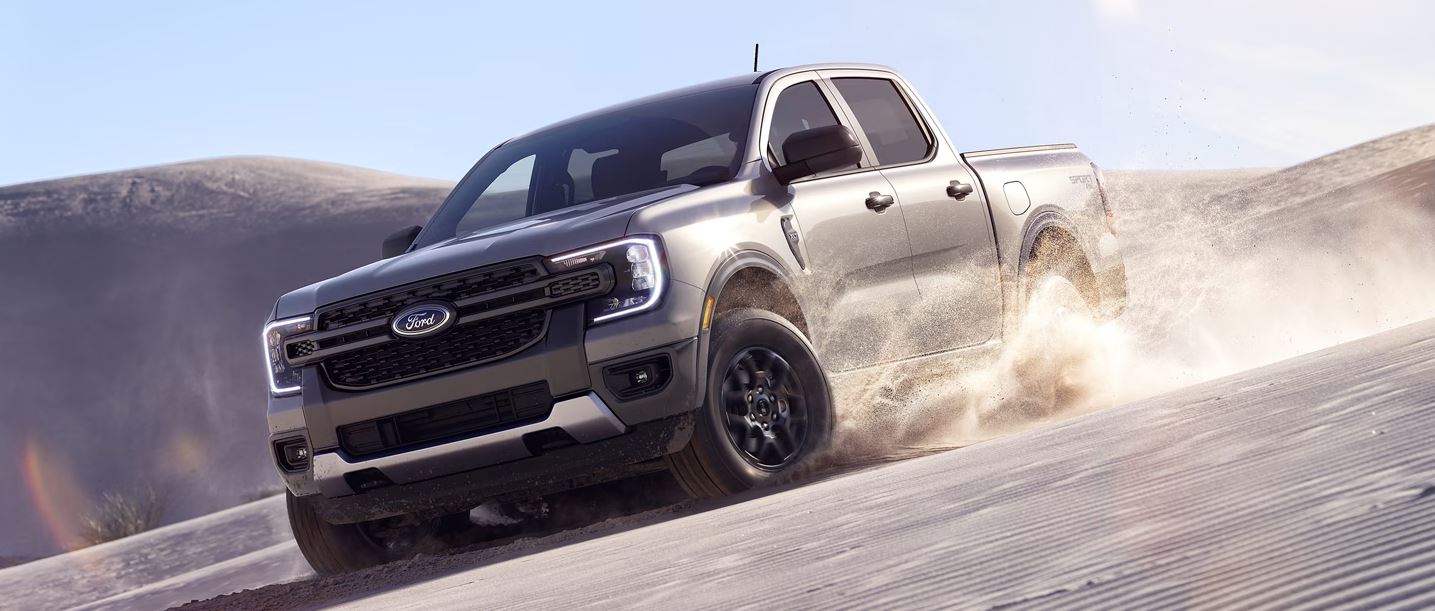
x=120 y=515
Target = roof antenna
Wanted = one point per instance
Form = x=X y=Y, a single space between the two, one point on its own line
x=755 y=47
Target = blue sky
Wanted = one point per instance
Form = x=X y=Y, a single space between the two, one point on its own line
x=425 y=88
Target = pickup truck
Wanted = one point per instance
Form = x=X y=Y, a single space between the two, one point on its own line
x=665 y=284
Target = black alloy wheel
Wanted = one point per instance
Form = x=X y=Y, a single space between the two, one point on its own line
x=764 y=407
x=766 y=410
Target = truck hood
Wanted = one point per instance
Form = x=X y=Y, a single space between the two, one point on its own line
x=540 y=235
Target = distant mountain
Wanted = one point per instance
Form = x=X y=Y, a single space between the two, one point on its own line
x=130 y=332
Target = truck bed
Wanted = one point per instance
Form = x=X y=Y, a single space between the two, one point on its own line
x=1017 y=149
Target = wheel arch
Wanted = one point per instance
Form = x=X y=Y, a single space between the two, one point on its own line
x=750 y=279
x=1052 y=237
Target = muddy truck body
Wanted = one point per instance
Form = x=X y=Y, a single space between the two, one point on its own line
x=666 y=284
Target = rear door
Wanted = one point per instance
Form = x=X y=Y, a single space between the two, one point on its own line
x=954 y=254
x=858 y=260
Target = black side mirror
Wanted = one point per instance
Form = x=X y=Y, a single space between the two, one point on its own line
x=817 y=150
x=399 y=242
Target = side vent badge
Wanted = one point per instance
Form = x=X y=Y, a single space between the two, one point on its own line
x=793 y=237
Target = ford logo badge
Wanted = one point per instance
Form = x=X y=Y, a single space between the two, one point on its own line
x=422 y=320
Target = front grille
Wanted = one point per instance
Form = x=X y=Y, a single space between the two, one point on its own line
x=449 y=289
x=501 y=310
x=464 y=345
x=457 y=419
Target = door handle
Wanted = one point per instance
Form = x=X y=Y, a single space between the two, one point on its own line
x=879 y=203
x=958 y=190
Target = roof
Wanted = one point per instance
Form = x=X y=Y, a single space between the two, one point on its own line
x=732 y=81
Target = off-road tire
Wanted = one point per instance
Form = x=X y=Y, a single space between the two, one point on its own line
x=712 y=465
x=333 y=549
x=1052 y=259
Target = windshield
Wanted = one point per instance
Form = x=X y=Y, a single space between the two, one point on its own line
x=694 y=139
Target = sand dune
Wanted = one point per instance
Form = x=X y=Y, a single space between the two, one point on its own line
x=133 y=301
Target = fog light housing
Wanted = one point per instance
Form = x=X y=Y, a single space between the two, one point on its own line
x=639 y=377
x=293 y=454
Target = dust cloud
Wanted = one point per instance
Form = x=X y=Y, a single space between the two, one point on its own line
x=1227 y=271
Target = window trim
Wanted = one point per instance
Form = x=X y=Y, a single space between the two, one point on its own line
x=933 y=143
x=823 y=78
x=839 y=108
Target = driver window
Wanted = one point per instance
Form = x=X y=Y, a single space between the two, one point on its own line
x=799 y=107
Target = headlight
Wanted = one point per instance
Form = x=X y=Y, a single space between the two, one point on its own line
x=638 y=266
x=283 y=379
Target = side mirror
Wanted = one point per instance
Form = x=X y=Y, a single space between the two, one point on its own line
x=399 y=242
x=817 y=150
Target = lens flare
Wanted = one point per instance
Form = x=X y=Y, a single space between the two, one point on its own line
x=56 y=497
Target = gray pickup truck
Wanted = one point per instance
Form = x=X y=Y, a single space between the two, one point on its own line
x=666 y=284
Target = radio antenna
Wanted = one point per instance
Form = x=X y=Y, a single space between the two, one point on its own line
x=755 y=47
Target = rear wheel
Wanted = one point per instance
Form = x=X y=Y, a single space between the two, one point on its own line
x=1055 y=299
x=1052 y=363
x=768 y=407
x=332 y=549
x=1058 y=278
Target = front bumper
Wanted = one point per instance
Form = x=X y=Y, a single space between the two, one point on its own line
x=584 y=418
x=626 y=455
x=570 y=359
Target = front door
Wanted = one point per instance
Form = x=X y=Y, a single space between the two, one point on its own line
x=859 y=287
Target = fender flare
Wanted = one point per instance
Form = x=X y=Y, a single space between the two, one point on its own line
x=1038 y=222
x=725 y=269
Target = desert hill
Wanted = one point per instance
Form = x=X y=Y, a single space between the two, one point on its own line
x=133 y=306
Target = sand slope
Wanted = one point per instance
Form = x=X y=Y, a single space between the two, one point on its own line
x=1307 y=483
x=1311 y=482
x=243 y=547
x=1304 y=483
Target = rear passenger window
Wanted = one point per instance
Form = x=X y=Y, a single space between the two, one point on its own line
x=799 y=107
x=887 y=121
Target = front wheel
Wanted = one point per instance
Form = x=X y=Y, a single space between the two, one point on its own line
x=767 y=409
x=332 y=549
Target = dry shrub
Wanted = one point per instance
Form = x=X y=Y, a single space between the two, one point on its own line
x=121 y=514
